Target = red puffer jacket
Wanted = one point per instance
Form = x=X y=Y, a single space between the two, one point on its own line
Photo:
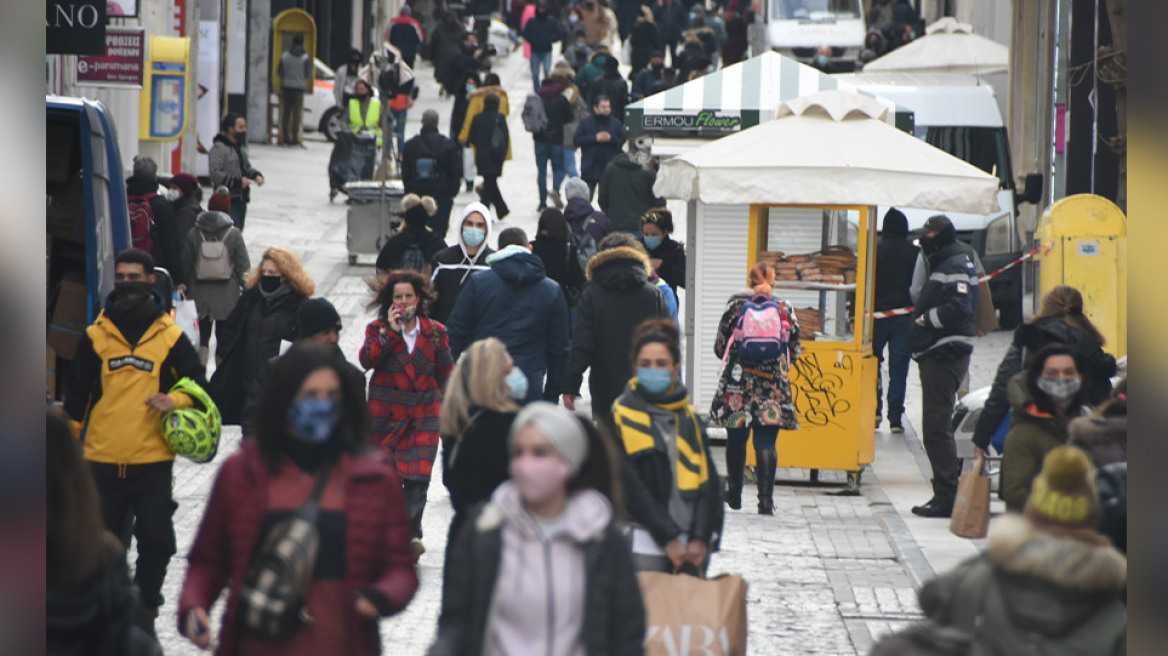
x=377 y=535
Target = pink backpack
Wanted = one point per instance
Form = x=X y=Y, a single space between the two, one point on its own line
x=762 y=331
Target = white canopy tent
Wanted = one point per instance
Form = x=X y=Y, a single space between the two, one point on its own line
x=834 y=147
x=947 y=47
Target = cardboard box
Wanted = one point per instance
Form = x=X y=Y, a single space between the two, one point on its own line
x=51 y=372
x=68 y=320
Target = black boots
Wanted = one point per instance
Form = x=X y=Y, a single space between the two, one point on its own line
x=735 y=468
x=765 y=475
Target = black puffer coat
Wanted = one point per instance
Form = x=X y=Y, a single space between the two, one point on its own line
x=618 y=300
x=946 y=304
x=1029 y=338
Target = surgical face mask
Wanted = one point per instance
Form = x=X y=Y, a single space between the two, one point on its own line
x=516 y=381
x=172 y=195
x=269 y=283
x=539 y=478
x=314 y=420
x=652 y=241
x=1060 y=390
x=470 y=88
x=822 y=60
x=654 y=381
x=473 y=236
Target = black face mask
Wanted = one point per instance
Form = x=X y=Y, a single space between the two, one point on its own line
x=269 y=284
x=657 y=67
x=133 y=300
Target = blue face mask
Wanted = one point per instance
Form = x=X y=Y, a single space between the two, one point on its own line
x=652 y=242
x=655 y=381
x=473 y=236
x=517 y=381
x=822 y=60
x=470 y=88
x=314 y=420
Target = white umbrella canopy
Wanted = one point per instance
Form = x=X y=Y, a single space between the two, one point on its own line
x=947 y=47
x=832 y=148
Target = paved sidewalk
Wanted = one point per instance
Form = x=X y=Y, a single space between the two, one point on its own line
x=828 y=573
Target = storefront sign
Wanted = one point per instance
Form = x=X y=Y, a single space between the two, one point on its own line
x=706 y=120
x=122 y=63
x=75 y=27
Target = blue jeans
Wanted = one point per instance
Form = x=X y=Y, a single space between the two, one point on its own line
x=238 y=212
x=538 y=60
x=893 y=332
x=764 y=437
x=546 y=153
x=570 y=169
x=399 y=128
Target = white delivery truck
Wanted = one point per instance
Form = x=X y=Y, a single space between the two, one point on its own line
x=798 y=28
x=960 y=115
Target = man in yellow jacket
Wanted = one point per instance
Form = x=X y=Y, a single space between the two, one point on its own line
x=127 y=360
x=365 y=111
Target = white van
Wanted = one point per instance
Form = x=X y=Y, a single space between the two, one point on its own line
x=797 y=28
x=960 y=115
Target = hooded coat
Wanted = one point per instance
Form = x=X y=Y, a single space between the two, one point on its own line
x=581 y=215
x=896 y=257
x=586 y=568
x=1035 y=592
x=430 y=143
x=101 y=617
x=418 y=234
x=613 y=85
x=1029 y=338
x=562 y=264
x=595 y=155
x=946 y=305
x=215 y=298
x=475 y=104
x=517 y=303
x=626 y=193
x=558 y=110
x=619 y=299
x=482 y=131
x=1033 y=434
x=167 y=240
x=590 y=73
x=228 y=165
x=295 y=68
x=186 y=212
x=453 y=266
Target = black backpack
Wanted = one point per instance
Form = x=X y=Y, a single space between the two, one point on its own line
x=427 y=172
x=275 y=587
x=585 y=244
x=499 y=138
x=413 y=258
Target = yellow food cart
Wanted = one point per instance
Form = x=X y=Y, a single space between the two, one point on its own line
x=799 y=191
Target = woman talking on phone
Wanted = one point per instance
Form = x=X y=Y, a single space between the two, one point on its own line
x=410 y=358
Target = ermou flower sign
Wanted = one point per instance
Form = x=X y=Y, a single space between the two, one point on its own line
x=703 y=121
x=122 y=65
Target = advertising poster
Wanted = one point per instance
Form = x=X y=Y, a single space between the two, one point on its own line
x=207 y=91
x=122 y=65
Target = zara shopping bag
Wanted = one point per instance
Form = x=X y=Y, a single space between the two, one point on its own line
x=687 y=615
x=971 y=509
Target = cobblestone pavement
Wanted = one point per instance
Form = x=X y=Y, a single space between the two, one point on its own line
x=828 y=573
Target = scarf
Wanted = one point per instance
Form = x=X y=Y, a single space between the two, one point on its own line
x=633 y=414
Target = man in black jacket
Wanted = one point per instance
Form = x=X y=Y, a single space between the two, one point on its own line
x=540 y=32
x=142 y=188
x=432 y=166
x=941 y=342
x=895 y=258
x=456 y=264
x=549 y=142
x=619 y=299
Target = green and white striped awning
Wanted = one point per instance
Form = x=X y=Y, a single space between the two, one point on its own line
x=732 y=99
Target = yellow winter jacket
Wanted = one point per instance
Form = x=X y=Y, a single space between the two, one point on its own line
x=120 y=428
x=476 y=107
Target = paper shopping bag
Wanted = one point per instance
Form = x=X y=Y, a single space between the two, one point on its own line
x=689 y=615
x=986 y=320
x=971 y=509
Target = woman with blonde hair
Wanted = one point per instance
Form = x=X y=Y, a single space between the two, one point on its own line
x=264 y=316
x=754 y=396
x=1060 y=320
x=482 y=398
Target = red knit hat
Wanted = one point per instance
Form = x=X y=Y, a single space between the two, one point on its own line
x=220 y=201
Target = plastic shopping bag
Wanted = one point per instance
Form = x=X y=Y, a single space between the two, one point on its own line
x=186 y=316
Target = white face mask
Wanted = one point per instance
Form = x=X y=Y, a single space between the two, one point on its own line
x=171 y=195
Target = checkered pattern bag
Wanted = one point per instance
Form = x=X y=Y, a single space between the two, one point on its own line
x=271 y=601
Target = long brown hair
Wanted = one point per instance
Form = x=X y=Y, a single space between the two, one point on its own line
x=77 y=545
x=383 y=291
x=762 y=278
x=1066 y=303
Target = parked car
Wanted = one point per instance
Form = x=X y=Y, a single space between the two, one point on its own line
x=320 y=109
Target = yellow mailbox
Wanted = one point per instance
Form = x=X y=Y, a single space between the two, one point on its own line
x=166 y=88
x=284 y=26
x=1084 y=245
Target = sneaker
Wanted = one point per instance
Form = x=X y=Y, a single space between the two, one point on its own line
x=469 y=185
x=479 y=189
x=934 y=508
x=555 y=196
x=541 y=208
x=418 y=548
x=878 y=421
x=204 y=355
x=895 y=426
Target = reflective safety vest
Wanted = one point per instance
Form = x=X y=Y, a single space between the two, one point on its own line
x=372 y=121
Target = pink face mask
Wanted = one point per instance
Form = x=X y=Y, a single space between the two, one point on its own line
x=539 y=479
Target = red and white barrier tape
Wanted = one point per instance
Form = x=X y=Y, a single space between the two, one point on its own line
x=898 y=312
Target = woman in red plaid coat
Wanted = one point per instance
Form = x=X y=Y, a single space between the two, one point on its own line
x=410 y=358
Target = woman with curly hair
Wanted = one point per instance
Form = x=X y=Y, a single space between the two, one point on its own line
x=264 y=316
x=754 y=395
x=410 y=357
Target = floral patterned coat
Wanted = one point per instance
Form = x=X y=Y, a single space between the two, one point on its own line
x=751 y=393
